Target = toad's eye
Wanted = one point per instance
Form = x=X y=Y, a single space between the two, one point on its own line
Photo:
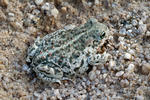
x=102 y=34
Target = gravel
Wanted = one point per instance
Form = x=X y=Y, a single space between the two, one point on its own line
x=126 y=73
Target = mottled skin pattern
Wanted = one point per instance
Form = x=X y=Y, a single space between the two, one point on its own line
x=66 y=53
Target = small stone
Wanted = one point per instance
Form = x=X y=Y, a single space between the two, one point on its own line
x=128 y=26
x=140 y=22
x=97 y=72
x=147 y=57
x=112 y=63
x=2 y=16
x=4 y=3
x=2 y=67
x=57 y=94
x=38 y=2
x=89 y=4
x=146 y=68
x=3 y=60
x=140 y=97
x=46 y=6
x=36 y=94
x=129 y=33
x=118 y=74
x=16 y=25
x=36 y=12
x=92 y=75
x=131 y=51
x=54 y=12
x=122 y=45
x=97 y=2
x=11 y=14
x=82 y=97
x=64 y=9
x=122 y=31
x=134 y=22
x=51 y=9
x=130 y=68
x=142 y=28
x=148 y=33
x=31 y=30
x=124 y=83
x=127 y=56
x=104 y=75
x=69 y=27
x=121 y=38
x=25 y=67
x=135 y=31
x=11 y=17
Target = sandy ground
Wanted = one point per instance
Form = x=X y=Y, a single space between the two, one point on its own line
x=124 y=76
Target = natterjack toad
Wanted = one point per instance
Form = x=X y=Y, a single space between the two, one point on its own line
x=67 y=52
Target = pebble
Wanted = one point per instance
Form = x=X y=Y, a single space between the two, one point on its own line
x=2 y=66
x=122 y=31
x=129 y=33
x=122 y=45
x=127 y=56
x=2 y=16
x=112 y=63
x=54 y=12
x=82 y=97
x=38 y=2
x=51 y=9
x=131 y=51
x=38 y=95
x=4 y=60
x=69 y=27
x=124 y=83
x=97 y=72
x=11 y=17
x=118 y=74
x=128 y=26
x=134 y=22
x=64 y=9
x=36 y=12
x=146 y=68
x=1 y=76
x=4 y=3
x=140 y=22
x=104 y=75
x=142 y=28
x=92 y=75
x=148 y=33
x=57 y=94
x=25 y=67
x=135 y=31
x=131 y=68
x=121 y=38
x=11 y=14
x=46 y=6
x=139 y=97
x=17 y=26
x=96 y=2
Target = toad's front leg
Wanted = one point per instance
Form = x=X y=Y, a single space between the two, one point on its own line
x=96 y=59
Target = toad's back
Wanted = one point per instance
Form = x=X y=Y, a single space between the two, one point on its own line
x=63 y=53
x=68 y=43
